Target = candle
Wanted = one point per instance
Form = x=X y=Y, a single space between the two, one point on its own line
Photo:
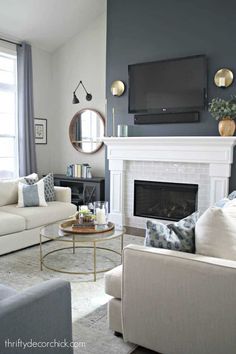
x=113 y=121
x=221 y=81
x=100 y=216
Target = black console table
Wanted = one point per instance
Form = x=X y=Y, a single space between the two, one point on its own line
x=83 y=190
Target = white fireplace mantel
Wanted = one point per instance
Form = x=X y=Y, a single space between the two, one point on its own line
x=217 y=152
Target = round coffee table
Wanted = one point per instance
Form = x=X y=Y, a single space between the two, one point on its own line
x=52 y=232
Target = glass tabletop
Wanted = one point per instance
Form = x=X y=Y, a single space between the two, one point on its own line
x=53 y=232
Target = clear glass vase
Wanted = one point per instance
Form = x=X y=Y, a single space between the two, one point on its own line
x=101 y=212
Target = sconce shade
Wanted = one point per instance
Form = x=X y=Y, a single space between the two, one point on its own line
x=75 y=98
x=223 y=78
x=117 y=88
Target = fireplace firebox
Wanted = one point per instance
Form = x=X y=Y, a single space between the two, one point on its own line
x=164 y=200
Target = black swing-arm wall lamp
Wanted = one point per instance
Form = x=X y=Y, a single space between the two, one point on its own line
x=75 y=98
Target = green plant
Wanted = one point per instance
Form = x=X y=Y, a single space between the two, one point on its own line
x=220 y=108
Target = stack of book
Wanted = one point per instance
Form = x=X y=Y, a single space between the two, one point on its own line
x=79 y=170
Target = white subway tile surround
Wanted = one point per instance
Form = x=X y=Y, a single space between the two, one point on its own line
x=205 y=161
x=163 y=172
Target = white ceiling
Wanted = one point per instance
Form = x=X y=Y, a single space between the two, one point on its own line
x=47 y=24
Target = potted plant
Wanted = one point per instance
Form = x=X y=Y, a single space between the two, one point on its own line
x=225 y=112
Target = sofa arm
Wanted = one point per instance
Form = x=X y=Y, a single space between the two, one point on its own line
x=41 y=314
x=178 y=303
x=63 y=194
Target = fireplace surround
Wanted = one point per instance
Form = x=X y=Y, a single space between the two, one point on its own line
x=205 y=161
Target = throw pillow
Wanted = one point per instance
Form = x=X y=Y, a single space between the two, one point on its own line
x=178 y=236
x=30 y=179
x=31 y=195
x=216 y=232
x=49 y=190
x=221 y=203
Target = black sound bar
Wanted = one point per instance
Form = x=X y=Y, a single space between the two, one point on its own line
x=162 y=118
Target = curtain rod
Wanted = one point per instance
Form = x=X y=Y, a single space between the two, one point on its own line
x=6 y=40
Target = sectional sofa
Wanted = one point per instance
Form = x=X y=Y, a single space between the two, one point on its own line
x=20 y=227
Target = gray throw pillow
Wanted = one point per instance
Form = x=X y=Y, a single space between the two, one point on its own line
x=49 y=190
x=178 y=236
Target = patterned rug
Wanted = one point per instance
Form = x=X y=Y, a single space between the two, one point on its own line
x=22 y=269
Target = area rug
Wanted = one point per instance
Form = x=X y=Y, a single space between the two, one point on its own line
x=22 y=269
x=94 y=336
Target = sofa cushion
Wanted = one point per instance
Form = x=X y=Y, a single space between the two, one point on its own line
x=215 y=232
x=38 y=216
x=178 y=236
x=10 y=223
x=113 y=280
x=9 y=189
x=6 y=291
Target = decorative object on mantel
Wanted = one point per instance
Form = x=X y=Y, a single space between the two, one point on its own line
x=224 y=78
x=122 y=130
x=117 y=88
x=40 y=130
x=75 y=98
x=225 y=112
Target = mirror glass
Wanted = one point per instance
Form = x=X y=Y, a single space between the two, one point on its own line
x=86 y=129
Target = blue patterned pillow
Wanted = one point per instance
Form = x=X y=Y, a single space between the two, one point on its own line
x=49 y=190
x=178 y=236
x=221 y=203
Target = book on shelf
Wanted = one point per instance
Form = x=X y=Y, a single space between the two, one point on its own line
x=79 y=170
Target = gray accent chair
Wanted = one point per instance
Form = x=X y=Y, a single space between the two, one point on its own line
x=41 y=313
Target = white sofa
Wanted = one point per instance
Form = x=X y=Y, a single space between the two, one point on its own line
x=174 y=302
x=19 y=227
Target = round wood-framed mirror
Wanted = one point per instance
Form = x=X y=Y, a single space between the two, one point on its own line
x=86 y=129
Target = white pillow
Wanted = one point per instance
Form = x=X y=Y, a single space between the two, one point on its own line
x=31 y=195
x=215 y=232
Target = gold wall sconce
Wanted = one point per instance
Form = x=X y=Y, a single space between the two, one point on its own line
x=223 y=78
x=117 y=88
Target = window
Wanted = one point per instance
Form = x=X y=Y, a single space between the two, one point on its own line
x=8 y=114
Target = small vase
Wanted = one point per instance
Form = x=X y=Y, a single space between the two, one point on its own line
x=226 y=127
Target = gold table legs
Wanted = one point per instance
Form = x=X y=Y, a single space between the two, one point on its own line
x=94 y=248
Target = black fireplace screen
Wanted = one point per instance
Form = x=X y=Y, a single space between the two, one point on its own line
x=168 y=201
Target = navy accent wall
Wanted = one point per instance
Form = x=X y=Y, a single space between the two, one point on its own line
x=147 y=30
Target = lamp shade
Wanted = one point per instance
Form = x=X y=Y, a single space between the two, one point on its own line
x=75 y=99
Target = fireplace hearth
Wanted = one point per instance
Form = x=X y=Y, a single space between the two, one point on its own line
x=164 y=200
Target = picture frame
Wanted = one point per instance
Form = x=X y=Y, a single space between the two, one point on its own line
x=40 y=130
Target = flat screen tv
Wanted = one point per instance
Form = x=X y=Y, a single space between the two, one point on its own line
x=174 y=85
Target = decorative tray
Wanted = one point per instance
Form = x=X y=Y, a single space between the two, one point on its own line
x=68 y=226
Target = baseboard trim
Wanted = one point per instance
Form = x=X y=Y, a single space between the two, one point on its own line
x=135 y=231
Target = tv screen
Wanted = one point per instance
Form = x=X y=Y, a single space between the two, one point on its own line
x=173 y=85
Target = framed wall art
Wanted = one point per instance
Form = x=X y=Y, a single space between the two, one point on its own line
x=40 y=130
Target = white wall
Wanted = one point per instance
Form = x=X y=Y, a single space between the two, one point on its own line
x=82 y=58
x=42 y=86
